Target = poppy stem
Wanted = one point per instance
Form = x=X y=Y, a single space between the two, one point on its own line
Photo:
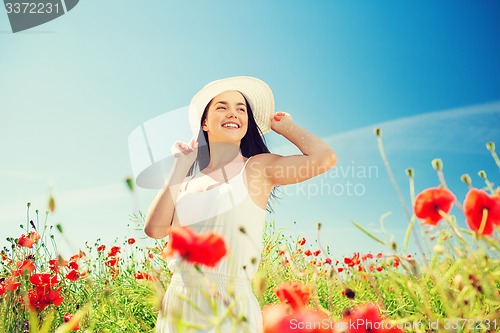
x=408 y=233
x=483 y=175
x=491 y=148
x=411 y=178
x=398 y=191
x=490 y=241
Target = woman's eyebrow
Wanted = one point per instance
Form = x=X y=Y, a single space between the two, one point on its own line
x=225 y=103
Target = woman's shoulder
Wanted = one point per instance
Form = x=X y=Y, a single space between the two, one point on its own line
x=260 y=164
x=264 y=158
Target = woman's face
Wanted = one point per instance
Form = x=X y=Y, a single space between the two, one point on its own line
x=227 y=118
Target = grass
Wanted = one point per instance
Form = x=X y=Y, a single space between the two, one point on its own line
x=454 y=286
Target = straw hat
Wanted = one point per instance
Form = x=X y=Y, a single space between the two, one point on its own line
x=257 y=92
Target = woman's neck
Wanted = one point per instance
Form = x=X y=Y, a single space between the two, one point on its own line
x=222 y=154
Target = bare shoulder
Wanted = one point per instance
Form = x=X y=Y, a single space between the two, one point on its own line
x=258 y=168
x=259 y=163
x=263 y=158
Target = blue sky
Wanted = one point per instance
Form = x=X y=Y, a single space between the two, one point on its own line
x=73 y=89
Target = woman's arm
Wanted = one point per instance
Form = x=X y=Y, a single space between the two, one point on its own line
x=161 y=212
x=318 y=157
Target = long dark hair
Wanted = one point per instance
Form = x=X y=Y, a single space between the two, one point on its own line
x=253 y=143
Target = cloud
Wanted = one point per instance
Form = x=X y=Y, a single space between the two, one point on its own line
x=462 y=130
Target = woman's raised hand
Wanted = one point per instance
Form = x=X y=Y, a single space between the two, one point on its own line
x=280 y=122
x=185 y=153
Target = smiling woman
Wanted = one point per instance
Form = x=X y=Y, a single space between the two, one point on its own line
x=232 y=175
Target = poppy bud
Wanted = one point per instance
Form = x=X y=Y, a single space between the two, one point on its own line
x=482 y=174
x=378 y=132
x=437 y=164
x=465 y=178
x=349 y=293
x=490 y=146
x=29 y=204
x=130 y=183
x=52 y=204
x=347 y=312
x=318 y=226
x=439 y=249
x=59 y=227
x=409 y=172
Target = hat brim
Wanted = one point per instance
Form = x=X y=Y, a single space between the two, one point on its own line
x=257 y=92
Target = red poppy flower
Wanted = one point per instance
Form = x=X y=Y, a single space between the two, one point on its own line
x=114 y=251
x=204 y=249
x=44 y=279
x=308 y=252
x=366 y=318
x=430 y=202
x=131 y=241
x=41 y=296
x=101 y=248
x=353 y=261
x=340 y=269
x=280 y=318
x=54 y=265
x=328 y=261
x=143 y=276
x=2 y=288
x=73 y=265
x=77 y=256
x=11 y=284
x=294 y=293
x=316 y=253
x=478 y=202
x=68 y=317
x=367 y=256
x=29 y=240
x=24 y=266
x=111 y=261
x=73 y=275
x=301 y=241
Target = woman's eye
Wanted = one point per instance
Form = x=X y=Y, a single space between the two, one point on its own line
x=241 y=110
x=221 y=108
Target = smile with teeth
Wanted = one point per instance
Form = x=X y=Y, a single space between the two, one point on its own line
x=231 y=125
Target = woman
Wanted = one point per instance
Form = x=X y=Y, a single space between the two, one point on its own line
x=228 y=196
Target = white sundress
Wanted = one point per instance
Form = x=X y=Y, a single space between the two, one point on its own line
x=218 y=299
